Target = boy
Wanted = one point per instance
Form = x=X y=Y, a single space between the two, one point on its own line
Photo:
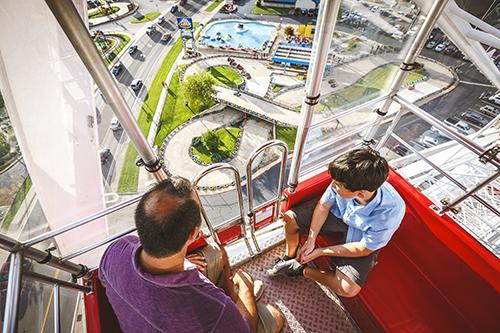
x=360 y=204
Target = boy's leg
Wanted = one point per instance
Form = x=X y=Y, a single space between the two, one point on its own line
x=271 y=320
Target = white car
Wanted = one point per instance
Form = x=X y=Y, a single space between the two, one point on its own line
x=459 y=126
x=115 y=124
x=440 y=47
x=397 y=35
x=495 y=99
x=136 y=84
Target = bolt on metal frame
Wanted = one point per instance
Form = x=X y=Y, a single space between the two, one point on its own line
x=251 y=209
x=409 y=61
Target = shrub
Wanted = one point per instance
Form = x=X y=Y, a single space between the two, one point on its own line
x=289 y=31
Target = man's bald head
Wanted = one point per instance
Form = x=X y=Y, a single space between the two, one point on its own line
x=166 y=216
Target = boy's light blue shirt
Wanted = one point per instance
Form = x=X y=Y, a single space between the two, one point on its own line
x=372 y=224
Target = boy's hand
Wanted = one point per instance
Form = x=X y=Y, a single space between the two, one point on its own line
x=306 y=249
x=197 y=260
x=311 y=256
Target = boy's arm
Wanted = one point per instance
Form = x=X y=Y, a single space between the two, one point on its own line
x=353 y=249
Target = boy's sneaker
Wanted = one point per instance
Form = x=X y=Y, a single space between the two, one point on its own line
x=258 y=289
x=288 y=268
x=281 y=258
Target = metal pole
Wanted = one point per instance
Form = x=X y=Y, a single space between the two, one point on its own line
x=49 y=279
x=76 y=31
x=57 y=308
x=479 y=186
x=13 y=292
x=327 y=18
x=11 y=245
x=83 y=221
x=464 y=141
x=407 y=65
x=391 y=128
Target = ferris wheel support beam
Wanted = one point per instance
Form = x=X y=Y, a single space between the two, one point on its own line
x=407 y=65
x=327 y=17
x=71 y=23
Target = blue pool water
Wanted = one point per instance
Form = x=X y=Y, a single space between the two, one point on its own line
x=251 y=36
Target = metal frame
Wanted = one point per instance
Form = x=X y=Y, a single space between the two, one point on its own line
x=327 y=18
x=77 y=33
x=226 y=224
x=251 y=210
x=410 y=58
x=13 y=292
x=57 y=308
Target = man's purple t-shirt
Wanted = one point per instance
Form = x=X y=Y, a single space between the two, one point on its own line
x=178 y=302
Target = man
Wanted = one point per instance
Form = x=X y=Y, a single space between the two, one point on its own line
x=358 y=203
x=153 y=288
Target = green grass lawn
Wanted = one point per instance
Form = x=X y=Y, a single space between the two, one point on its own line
x=129 y=176
x=226 y=76
x=213 y=5
x=269 y=11
x=98 y=13
x=125 y=40
x=146 y=18
x=277 y=87
x=227 y=137
x=287 y=134
x=16 y=204
x=367 y=87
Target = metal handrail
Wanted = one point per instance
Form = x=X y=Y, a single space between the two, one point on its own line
x=446 y=175
x=13 y=292
x=251 y=211
x=237 y=179
x=49 y=279
x=343 y=136
x=464 y=141
x=347 y=112
x=81 y=222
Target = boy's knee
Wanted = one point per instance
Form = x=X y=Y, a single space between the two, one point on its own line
x=278 y=317
x=289 y=219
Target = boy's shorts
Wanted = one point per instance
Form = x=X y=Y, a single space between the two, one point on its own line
x=213 y=271
x=358 y=268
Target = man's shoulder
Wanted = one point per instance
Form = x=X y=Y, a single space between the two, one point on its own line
x=119 y=249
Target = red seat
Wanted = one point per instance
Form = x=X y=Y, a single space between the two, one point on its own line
x=431 y=277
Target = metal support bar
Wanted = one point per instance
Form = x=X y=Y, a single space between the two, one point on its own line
x=341 y=137
x=13 y=292
x=251 y=211
x=97 y=244
x=444 y=173
x=49 y=279
x=11 y=245
x=325 y=26
x=77 y=33
x=82 y=221
x=237 y=181
x=410 y=58
x=472 y=192
x=57 y=308
x=391 y=129
x=464 y=141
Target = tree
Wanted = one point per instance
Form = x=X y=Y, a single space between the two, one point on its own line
x=198 y=89
x=289 y=31
x=211 y=141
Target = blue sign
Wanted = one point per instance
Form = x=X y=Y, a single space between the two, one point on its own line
x=185 y=23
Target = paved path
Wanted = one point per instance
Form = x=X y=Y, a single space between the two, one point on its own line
x=258 y=70
x=179 y=162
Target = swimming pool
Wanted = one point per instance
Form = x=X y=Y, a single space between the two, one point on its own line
x=237 y=34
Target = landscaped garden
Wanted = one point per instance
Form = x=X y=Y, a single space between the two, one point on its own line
x=213 y=5
x=226 y=76
x=103 y=11
x=258 y=10
x=215 y=146
x=287 y=135
x=367 y=87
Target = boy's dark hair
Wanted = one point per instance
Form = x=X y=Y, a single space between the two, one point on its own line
x=166 y=215
x=360 y=169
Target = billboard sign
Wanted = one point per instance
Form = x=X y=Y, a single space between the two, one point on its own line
x=185 y=23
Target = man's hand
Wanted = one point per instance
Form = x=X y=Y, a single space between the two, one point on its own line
x=311 y=256
x=197 y=260
x=306 y=249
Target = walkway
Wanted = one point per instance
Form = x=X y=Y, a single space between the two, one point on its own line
x=257 y=68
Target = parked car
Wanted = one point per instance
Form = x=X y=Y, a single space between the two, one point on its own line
x=439 y=47
x=174 y=9
x=104 y=154
x=428 y=141
x=151 y=29
x=117 y=68
x=136 y=84
x=182 y=2
x=160 y=20
x=166 y=37
x=459 y=126
x=115 y=124
x=495 y=99
x=432 y=44
x=490 y=111
x=401 y=150
x=132 y=49
x=397 y=35
x=474 y=118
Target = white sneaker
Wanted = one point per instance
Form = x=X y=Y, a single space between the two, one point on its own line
x=258 y=289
